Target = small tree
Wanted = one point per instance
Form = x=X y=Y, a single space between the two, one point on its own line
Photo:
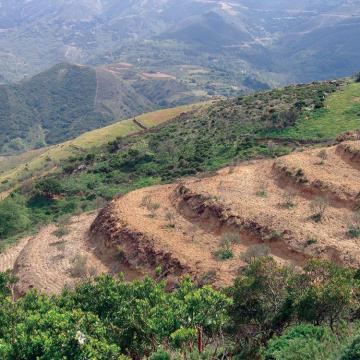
x=229 y=239
x=254 y=252
x=153 y=208
x=262 y=190
x=146 y=201
x=79 y=267
x=318 y=207
x=192 y=230
x=49 y=187
x=289 y=199
x=260 y=299
x=324 y=293
x=322 y=154
x=354 y=227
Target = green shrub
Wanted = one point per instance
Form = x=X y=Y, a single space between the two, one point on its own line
x=49 y=187
x=160 y=354
x=61 y=231
x=14 y=216
x=354 y=231
x=352 y=352
x=311 y=241
x=224 y=254
x=302 y=342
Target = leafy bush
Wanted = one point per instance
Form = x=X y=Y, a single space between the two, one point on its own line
x=14 y=216
x=224 y=254
x=354 y=231
x=302 y=342
x=352 y=352
x=323 y=293
x=49 y=187
x=61 y=231
x=160 y=354
x=108 y=318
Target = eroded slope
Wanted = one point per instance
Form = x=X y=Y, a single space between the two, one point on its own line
x=181 y=227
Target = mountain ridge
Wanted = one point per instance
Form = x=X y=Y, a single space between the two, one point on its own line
x=37 y=35
x=67 y=100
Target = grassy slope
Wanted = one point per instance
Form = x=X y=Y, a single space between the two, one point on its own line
x=341 y=113
x=206 y=139
x=15 y=169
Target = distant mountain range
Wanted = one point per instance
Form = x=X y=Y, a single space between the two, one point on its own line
x=67 y=100
x=243 y=44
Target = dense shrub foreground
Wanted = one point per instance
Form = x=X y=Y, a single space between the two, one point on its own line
x=270 y=313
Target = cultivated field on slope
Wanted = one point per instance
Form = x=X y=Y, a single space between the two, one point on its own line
x=16 y=169
x=301 y=206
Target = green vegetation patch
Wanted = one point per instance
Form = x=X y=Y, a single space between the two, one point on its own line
x=291 y=316
x=341 y=113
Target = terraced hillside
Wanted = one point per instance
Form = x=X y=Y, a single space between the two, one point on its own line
x=291 y=178
x=301 y=206
x=304 y=205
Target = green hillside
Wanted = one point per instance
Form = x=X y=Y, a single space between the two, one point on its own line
x=194 y=142
x=311 y=314
x=341 y=112
x=68 y=100
x=16 y=169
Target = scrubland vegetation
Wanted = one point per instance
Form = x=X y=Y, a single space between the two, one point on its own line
x=270 y=312
x=198 y=141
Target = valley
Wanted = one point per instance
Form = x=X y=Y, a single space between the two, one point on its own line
x=256 y=44
x=179 y=180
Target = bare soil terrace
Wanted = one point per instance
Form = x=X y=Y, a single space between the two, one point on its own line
x=172 y=230
x=263 y=202
x=49 y=262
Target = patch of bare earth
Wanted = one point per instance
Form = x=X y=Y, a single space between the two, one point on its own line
x=263 y=202
x=49 y=262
